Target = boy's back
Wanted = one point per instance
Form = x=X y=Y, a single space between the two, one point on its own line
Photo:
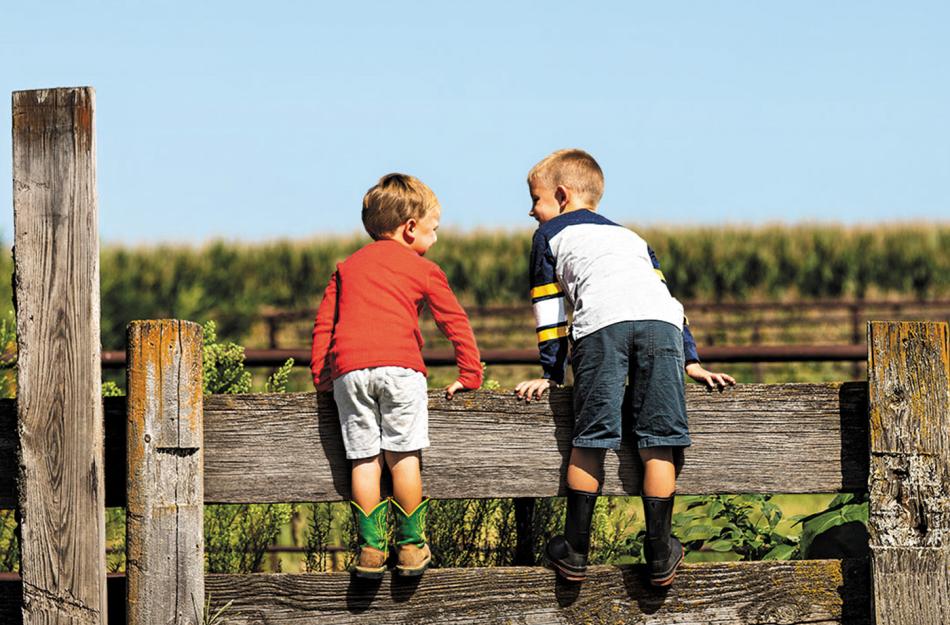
x=379 y=291
x=607 y=273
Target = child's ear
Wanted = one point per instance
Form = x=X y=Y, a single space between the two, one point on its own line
x=562 y=196
x=409 y=232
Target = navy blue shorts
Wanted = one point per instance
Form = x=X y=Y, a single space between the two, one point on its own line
x=651 y=354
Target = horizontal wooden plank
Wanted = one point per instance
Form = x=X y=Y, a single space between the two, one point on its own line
x=791 y=438
x=823 y=591
x=737 y=593
x=788 y=438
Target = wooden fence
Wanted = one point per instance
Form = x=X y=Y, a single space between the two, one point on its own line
x=166 y=450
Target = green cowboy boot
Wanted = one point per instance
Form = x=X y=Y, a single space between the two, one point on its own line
x=413 y=554
x=372 y=530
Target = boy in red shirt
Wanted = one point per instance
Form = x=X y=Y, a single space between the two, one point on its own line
x=366 y=347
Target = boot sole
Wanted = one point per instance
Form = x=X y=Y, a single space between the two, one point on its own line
x=363 y=573
x=566 y=571
x=567 y=574
x=661 y=582
x=412 y=572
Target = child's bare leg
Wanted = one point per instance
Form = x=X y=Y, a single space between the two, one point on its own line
x=585 y=472
x=365 y=476
x=659 y=471
x=406 y=468
x=413 y=555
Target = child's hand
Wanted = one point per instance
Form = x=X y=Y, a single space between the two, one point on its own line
x=453 y=388
x=712 y=380
x=323 y=387
x=536 y=387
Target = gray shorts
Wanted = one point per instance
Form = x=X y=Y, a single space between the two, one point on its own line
x=382 y=408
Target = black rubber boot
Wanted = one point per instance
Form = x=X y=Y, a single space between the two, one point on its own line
x=567 y=553
x=663 y=551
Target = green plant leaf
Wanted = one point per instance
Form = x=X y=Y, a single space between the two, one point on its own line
x=700 y=532
x=720 y=545
x=780 y=552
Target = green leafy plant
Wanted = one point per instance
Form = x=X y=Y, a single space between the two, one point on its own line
x=223 y=365
x=277 y=382
x=111 y=389
x=331 y=528
x=471 y=532
x=9 y=541
x=848 y=511
x=237 y=536
x=489 y=384
x=742 y=525
x=615 y=536
x=8 y=355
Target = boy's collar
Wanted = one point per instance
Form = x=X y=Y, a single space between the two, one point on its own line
x=573 y=210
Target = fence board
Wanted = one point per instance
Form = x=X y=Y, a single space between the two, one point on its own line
x=56 y=279
x=754 y=438
x=742 y=593
x=736 y=593
x=788 y=438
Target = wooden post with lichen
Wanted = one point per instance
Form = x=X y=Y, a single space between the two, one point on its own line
x=59 y=399
x=165 y=528
x=909 y=482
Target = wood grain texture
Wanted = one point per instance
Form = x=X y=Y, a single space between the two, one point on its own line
x=165 y=528
x=746 y=593
x=793 y=438
x=909 y=482
x=56 y=265
x=754 y=438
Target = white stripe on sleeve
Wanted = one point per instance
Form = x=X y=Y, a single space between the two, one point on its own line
x=549 y=312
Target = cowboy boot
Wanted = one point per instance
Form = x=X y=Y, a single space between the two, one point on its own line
x=662 y=550
x=567 y=553
x=372 y=530
x=412 y=551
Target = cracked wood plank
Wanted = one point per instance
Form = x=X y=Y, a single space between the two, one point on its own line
x=165 y=539
x=909 y=482
x=788 y=438
x=59 y=404
x=727 y=593
x=780 y=438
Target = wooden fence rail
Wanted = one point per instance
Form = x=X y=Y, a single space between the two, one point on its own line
x=755 y=438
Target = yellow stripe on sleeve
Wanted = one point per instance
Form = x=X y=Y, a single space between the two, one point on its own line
x=546 y=289
x=552 y=333
x=660 y=273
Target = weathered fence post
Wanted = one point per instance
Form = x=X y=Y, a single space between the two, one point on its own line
x=59 y=397
x=909 y=393
x=165 y=528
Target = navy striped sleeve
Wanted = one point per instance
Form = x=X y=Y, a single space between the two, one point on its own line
x=689 y=343
x=547 y=300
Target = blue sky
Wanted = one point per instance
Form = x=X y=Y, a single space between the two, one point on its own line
x=261 y=120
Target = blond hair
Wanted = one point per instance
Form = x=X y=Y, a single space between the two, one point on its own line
x=573 y=168
x=394 y=200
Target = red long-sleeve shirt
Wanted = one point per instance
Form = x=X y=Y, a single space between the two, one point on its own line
x=369 y=316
